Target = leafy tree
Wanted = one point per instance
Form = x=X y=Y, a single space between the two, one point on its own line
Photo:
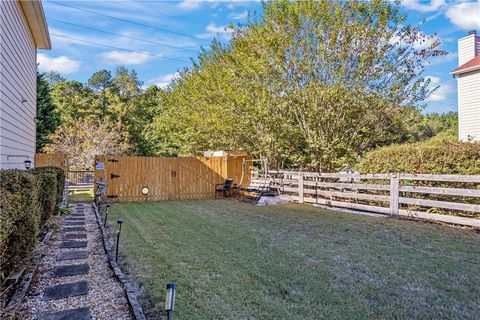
x=48 y=118
x=83 y=139
x=311 y=83
x=53 y=77
x=99 y=82
x=73 y=100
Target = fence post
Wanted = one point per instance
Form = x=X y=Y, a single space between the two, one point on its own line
x=394 y=194
x=300 y=187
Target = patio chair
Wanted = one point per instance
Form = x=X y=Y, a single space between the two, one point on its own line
x=228 y=188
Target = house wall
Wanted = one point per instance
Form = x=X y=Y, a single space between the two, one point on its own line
x=469 y=106
x=17 y=83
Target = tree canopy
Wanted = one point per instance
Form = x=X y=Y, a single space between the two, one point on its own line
x=312 y=84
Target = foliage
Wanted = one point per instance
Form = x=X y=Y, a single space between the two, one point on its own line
x=65 y=210
x=311 y=84
x=82 y=140
x=47 y=192
x=280 y=86
x=48 y=118
x=441 y=154
x=27 y=200
x=21 y=215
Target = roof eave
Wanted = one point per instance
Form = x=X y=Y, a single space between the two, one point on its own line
x=37 y=23
x=459 y=72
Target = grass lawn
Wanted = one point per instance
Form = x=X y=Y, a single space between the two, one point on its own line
x=80 y=196
x=237 y=261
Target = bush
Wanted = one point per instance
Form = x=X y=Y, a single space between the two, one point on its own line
x=60 y=174
x=441 y=154
x=47 y=192
x=21 y=214
x=27 y=200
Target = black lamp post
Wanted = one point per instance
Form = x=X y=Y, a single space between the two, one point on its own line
x=106 y=214
x=119 y=222
x=170 y=300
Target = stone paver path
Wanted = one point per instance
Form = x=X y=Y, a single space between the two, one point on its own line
x=73 y=280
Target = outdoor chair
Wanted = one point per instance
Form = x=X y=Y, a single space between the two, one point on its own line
x=228 y=188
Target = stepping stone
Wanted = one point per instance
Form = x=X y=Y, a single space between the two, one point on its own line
x=75 y=223
x=72 y=236
x=71 y=270
x=74 y=255
x=77 y=314
x=74 y=229
x=75 y=219
x=73 y=244
x=66 y=290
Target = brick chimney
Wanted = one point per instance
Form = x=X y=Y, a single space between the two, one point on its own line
x=468 y=47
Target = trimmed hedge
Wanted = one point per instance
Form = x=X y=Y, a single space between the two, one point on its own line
x=47 y=193
x=441 y=154
x=27 y=199
x=60 y=174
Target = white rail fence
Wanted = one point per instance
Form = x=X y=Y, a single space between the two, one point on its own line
x=413 y=195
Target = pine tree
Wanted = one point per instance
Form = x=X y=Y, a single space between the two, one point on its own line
x=48 y=119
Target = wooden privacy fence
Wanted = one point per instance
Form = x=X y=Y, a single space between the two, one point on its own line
x=415 y=195
x=48 y=159
x=166 y=178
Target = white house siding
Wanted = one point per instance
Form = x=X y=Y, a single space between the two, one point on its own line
x=17 y=83
x=469 y=106
x=468 y=48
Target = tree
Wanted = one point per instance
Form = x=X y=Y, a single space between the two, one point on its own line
x=99 y=82
x=83 y=139
x=305 y=71
x=48 y=119
x=73 y=100
x=53 y=77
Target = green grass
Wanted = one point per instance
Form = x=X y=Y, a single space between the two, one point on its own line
x=237 y=261
x=80 y=196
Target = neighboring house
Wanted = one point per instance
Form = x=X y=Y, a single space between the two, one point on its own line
x=468 y=79
x=23 y=29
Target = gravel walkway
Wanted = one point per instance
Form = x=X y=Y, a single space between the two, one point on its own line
x=93 y=292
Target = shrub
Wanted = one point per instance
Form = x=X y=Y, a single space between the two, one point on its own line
x=441 y=154
x=60 y=176
x=47 y=192
x=21 y=214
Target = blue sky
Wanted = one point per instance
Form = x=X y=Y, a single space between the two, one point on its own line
x=168 y=33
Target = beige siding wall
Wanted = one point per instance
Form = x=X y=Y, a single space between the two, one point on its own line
x=17 y=83
x=469 y=106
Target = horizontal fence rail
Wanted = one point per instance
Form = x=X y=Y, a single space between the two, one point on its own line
x=446 y=198
x=80 y=179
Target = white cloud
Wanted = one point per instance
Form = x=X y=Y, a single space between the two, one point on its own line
x=465 y=15
x=190 y=4
x=422 y=5
x=238 y=16
x=212 y=30
x=441 y=93
x=125 y=57
x=62 y=64
x=161 y=81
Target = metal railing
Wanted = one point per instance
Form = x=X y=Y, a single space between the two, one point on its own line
x=80 y=179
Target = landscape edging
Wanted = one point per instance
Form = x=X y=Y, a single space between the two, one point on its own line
x=129 y=287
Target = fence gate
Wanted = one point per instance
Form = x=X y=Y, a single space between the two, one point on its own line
x=165 y=178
